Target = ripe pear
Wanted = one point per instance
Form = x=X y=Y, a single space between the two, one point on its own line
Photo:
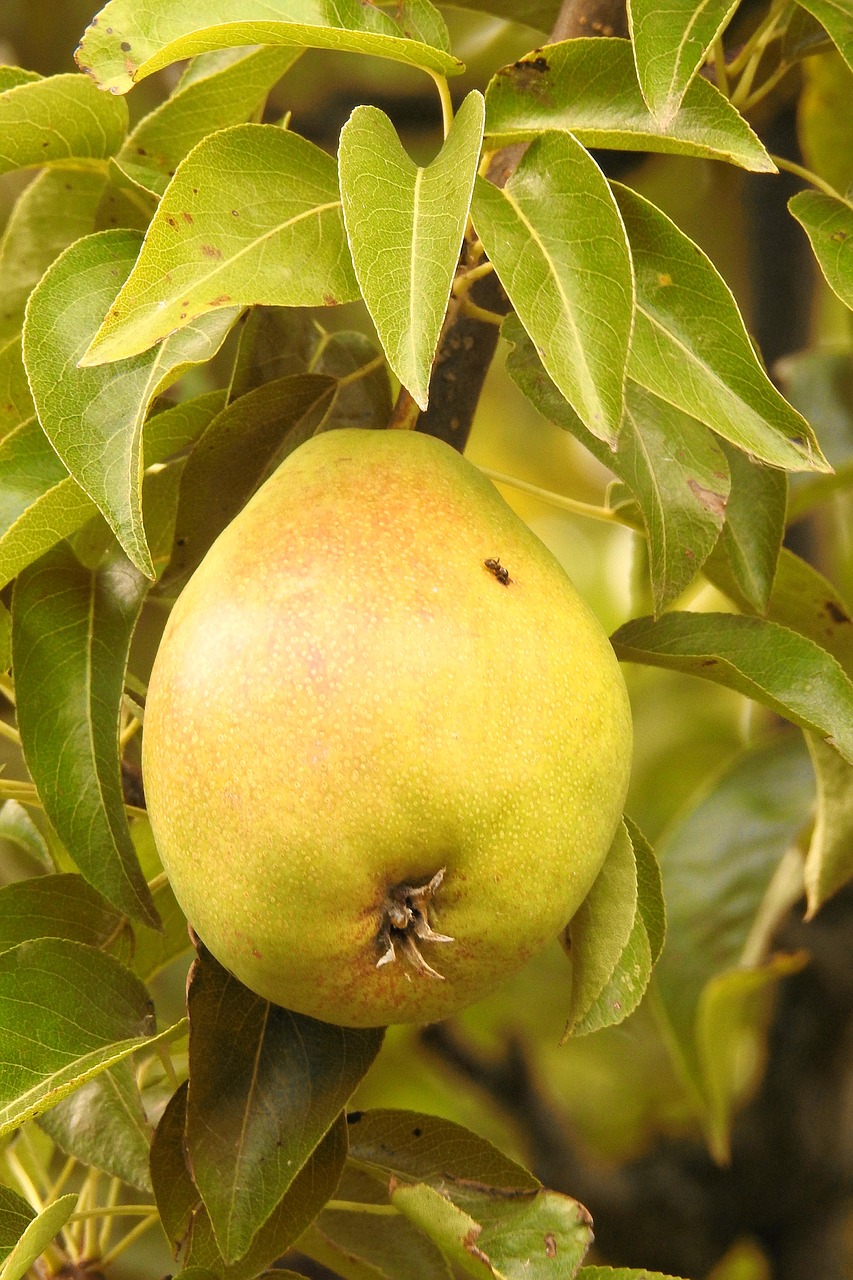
x=386 y=742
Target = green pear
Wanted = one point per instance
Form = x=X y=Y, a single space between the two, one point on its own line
x=386 y=743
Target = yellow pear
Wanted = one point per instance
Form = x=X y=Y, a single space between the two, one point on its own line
x=386 y=742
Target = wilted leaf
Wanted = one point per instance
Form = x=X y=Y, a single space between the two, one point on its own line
x=94 y=417
x=670 y=42
x=265 y=1086
x=71 y=632
x=58 y=119
x=829 y=862
x=828 y=223
x=37 y=1236
x=691 y=348
x=405 y=225
x=589 y=87
x=557 y=242
x=253 y=215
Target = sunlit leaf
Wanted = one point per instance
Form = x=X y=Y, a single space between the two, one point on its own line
x=37 y=1236
x=835 y=17
x=787 y=672
x=405 y=225
x=828 y=223
x=589 y=87
x=691 y=348
x=557 y=242
x=94 y=417
x=670 y=41
x=253 y=215
x=127 y=43
x=829 y=862
x=58 y=119
x=71 y=632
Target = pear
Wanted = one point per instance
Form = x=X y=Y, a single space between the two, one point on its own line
x=386 y=742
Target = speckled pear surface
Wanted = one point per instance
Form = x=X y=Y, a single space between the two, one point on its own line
x=347 y=699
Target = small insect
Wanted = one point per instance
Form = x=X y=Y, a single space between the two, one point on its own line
x=502 y=574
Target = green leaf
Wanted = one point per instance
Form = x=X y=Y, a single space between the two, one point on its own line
x=755 y=526
x=37 y=1236
x=717 y=861
x=240 y=448
x=488 y=1232
x=103 y=1124
x=94 y=417
x=266 y=1085
x=670 y=42
x=691 y=348
x=16 y=403
x=557 y=242
x=71 y=632
x=127 y=43
x=763 y=660
x=621 y=1273
x=829 y=862
x=363 y=394
x=55 y=906
x=218 y=89
x=650 y=899
x=5 y=639
x=405 y=226
x=825 y=119
x=732 y=1014
x=600 y=928
x=57 y=208
x=18 y=828
x=275 y=342
x=58 y=119
x=828 y=223
x=11 y=77
x=252 y=215
x=15 y=1216
x=671 y=463
x=588 y=87
x=67 y=1012
x=533 y=13
x=835 y=17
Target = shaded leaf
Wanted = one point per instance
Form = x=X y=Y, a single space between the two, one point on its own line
x=621 y=1273
x=18 y=828
x=128 y=43
x=405 y=226
x=533 y=13
x=755 y=526
x=5 y=639
x=670 y=42
x=218 y=89
x=557 y=242
x=239 y=449
x=825 y=119
x=363 y=394
x=671 y=463
x=94 y=417
x=57 y=208
x=58 y=119
x=265 y=1086
x=67 y=1012
x=625 y=987
x=55 y=906
x=15 y=1216
x=650 y=899
x=37 y=1236
x=16 y=403
x=103 y=1124
x=691 y=348
x=71 y=632
x=589 y=87
x=252 y=215
x=829 y=862
x=787 y=672
x=275 y=342
x=835 y=17
x=828 y=223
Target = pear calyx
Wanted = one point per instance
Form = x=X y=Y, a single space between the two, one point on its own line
x=405 y=922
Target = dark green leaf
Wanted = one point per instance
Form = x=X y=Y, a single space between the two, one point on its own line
x=5 y=639
x=787 y=672
x=589 y=87
x=18 y=828
x=557 y=242
x=103 y=1124
x=621 y=1273
x=691 y=348
x=275 y=342
x=829 y=862
x=405 y=225
x=94 y=417
x=55 y=906
x=265 y=1086
x=218 y=89
x=650 y=899
x=836 y=18
x=16 y=403
x=37 y=1236
x=129 y=43
x=59 y=119
x=71 y=631
x=67 y=1012
x=252 y=215
x=828 y=223
x=15 y=1216
x=755 y=525
x=670 y=43
x=363 y=395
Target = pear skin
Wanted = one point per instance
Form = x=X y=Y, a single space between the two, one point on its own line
x=386 y=743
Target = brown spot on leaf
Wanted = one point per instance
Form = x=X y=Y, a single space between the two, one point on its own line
x=353 y=1117
x=329 y=301
x=469 y=1244
x=550 y=1245
x=710 y=499
x=535 y=62
x=187 y=217
x=210 y=251
x=171 y=221
x=709 y=662
x=140 y=151
x=664 y=278
x=840 y=236
x=221 y=300
x=836 y=613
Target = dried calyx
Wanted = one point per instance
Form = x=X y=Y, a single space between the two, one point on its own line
x=405 y=923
